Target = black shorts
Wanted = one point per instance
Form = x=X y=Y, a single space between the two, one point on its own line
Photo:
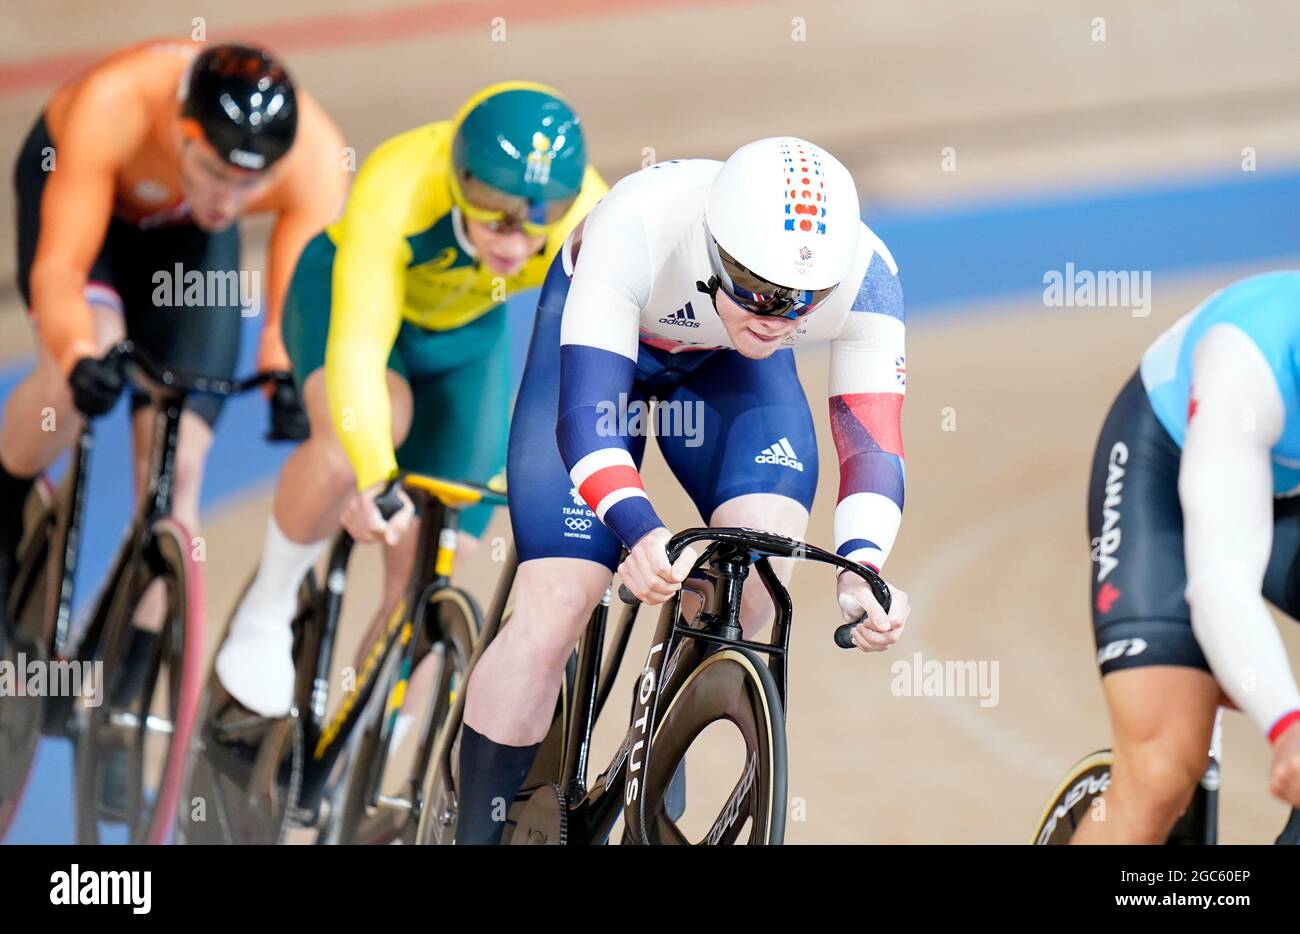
x=1135 y=526
x=201 y=339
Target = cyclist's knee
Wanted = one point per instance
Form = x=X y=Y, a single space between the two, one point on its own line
x=323 y=441
x=329 y=461
x=551 y=610
x=50 y=388
x=39 y=419
x=332 y=462
x=756 y=608
x=1155 y=781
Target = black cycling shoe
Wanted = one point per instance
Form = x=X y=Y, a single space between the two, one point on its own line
x=232 y=734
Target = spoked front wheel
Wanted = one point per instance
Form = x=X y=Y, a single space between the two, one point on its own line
x=132 y=743
x=735 y=690
x=377 y=789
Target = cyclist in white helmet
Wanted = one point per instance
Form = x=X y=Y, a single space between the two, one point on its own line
x=689 y=283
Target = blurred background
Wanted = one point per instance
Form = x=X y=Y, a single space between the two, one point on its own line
x=992 y=144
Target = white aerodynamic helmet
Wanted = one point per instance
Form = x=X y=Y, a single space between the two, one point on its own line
x=783 y=222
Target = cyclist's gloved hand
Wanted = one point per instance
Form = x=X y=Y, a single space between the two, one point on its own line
x=96 y=383
x=288 y=417
x=878 y=629
x=1284 y=777
x=647 y=573
x=364 y=523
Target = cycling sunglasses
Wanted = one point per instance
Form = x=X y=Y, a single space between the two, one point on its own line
x=756 y=295
x=503 y=213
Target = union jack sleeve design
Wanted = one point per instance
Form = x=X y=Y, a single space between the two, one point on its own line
x=867 y=383
x=608 y=288
x=600 y=463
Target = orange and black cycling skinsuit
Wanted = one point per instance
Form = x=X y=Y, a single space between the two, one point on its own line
x=102 y=219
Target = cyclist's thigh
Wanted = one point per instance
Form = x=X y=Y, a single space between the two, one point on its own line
x=1135 y=525
x=560 y=586
x=460 y=380
x=547 y=516
x=737 y=427
x=181 y=288
x=315 y=399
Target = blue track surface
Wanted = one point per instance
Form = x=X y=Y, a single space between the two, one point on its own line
x=947 y=257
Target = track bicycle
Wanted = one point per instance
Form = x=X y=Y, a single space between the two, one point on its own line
x=699 y=671
x=130 y=746
x=251 y=778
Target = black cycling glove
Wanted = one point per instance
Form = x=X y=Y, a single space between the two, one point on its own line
x=96 y=384
x=288 y=417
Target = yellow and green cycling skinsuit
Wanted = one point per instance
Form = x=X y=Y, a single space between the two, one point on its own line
x=394 y=285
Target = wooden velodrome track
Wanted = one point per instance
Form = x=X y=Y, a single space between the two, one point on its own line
x=993 y=549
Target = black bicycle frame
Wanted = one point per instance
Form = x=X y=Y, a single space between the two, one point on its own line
x=678 y=645
x=172 y=391
x=717 y=584
x=326 y=741
x=155 y=505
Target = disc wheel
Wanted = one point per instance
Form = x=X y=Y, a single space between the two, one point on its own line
x=735 y=687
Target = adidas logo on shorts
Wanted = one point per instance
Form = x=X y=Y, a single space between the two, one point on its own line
x=780 y=453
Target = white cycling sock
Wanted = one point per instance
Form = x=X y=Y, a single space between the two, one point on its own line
x=255 y=663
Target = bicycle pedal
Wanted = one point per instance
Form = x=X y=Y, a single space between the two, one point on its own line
x=543 y=819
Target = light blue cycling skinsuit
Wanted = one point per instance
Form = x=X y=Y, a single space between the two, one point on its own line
x=1193 y=514
x=1267 y=309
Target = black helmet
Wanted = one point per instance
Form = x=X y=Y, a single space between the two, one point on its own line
x=242 y=102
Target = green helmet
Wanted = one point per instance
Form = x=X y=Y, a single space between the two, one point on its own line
x=523 y=139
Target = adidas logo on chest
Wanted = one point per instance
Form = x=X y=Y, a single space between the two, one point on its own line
x=683 y=317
